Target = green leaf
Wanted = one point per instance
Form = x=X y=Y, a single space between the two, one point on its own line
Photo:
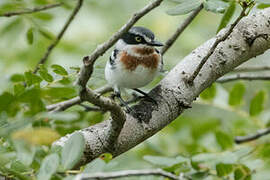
x=224 y=140
x=184 y=7
x=43 y=16
x=31 y=78
x=257 y=103
x=18 y=89
x=236 y=94
x=25 y=152
x=6 y=99
x=199 y=175
x=17 y=78
x=44 y=73
x=31 y=96
x=227 y=16
x=59 y=92
x=19 y=167
x=48 y=167
x=13 y=26
x=72 y=151
x=30 y=35
x=65 y=81
x=164 y=161
x=209 y=93
x=242 y=172
x=243 y=152
x=224 y=169
x=263 y=6
x=47 y=34
x=263 y=1
x=57 y=69
x=97 y=165
x=215 y=6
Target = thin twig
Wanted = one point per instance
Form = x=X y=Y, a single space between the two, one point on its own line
x=127 y=173
x=243 y=77
x=61 y=106
x=180 y=29
x=89 y=108
x=252 y=69
x=216 y=43
x=258 y=134
x=59 y=36
x=30 y=11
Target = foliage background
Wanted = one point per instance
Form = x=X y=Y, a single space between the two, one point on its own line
x=221 y=113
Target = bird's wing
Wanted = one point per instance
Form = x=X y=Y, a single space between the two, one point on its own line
x=113 y=57
x=161 y=59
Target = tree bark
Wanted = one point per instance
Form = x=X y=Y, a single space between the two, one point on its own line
x=249 y=38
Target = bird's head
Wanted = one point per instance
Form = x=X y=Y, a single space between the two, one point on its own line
x=140 y=36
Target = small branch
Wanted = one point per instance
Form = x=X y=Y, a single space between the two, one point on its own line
x=60 y=35
x=252 y=69
x=30 y=11
x=242 y=77
x=89 y=108
x=61 y=106
x=118 y=116
x=128 y=173
x=64 y=105
x=216 y=43
x=180 y=29
x=258 y=134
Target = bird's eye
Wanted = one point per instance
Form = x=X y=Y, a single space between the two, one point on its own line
x=138 y=38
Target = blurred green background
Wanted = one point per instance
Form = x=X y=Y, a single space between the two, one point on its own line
x=209 y=127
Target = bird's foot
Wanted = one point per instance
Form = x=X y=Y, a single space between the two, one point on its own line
x=146 y=96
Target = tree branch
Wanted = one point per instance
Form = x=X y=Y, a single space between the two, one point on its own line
x=173 y=95
x=60 y=35
x=258 y=134
x=128 y=173
x=118 y=116
x=180 y=29
x=220 y=38
x=247 y=77
x=30 y=11
x=61 y=106
x=252 y=69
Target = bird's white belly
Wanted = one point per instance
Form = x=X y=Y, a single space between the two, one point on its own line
x=137 y=78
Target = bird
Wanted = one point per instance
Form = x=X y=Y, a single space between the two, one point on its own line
x=134 y=62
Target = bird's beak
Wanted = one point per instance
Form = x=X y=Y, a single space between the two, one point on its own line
x=155 y=43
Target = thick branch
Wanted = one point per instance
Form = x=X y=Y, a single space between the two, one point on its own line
x=219 y=39
x=30 y=11
x=128 y=173
x=173 y=95
x=247 y=77
x=59 y=36
x=258 y=134
x=180 y=29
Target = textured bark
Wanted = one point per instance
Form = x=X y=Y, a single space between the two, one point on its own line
x=250 y=38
